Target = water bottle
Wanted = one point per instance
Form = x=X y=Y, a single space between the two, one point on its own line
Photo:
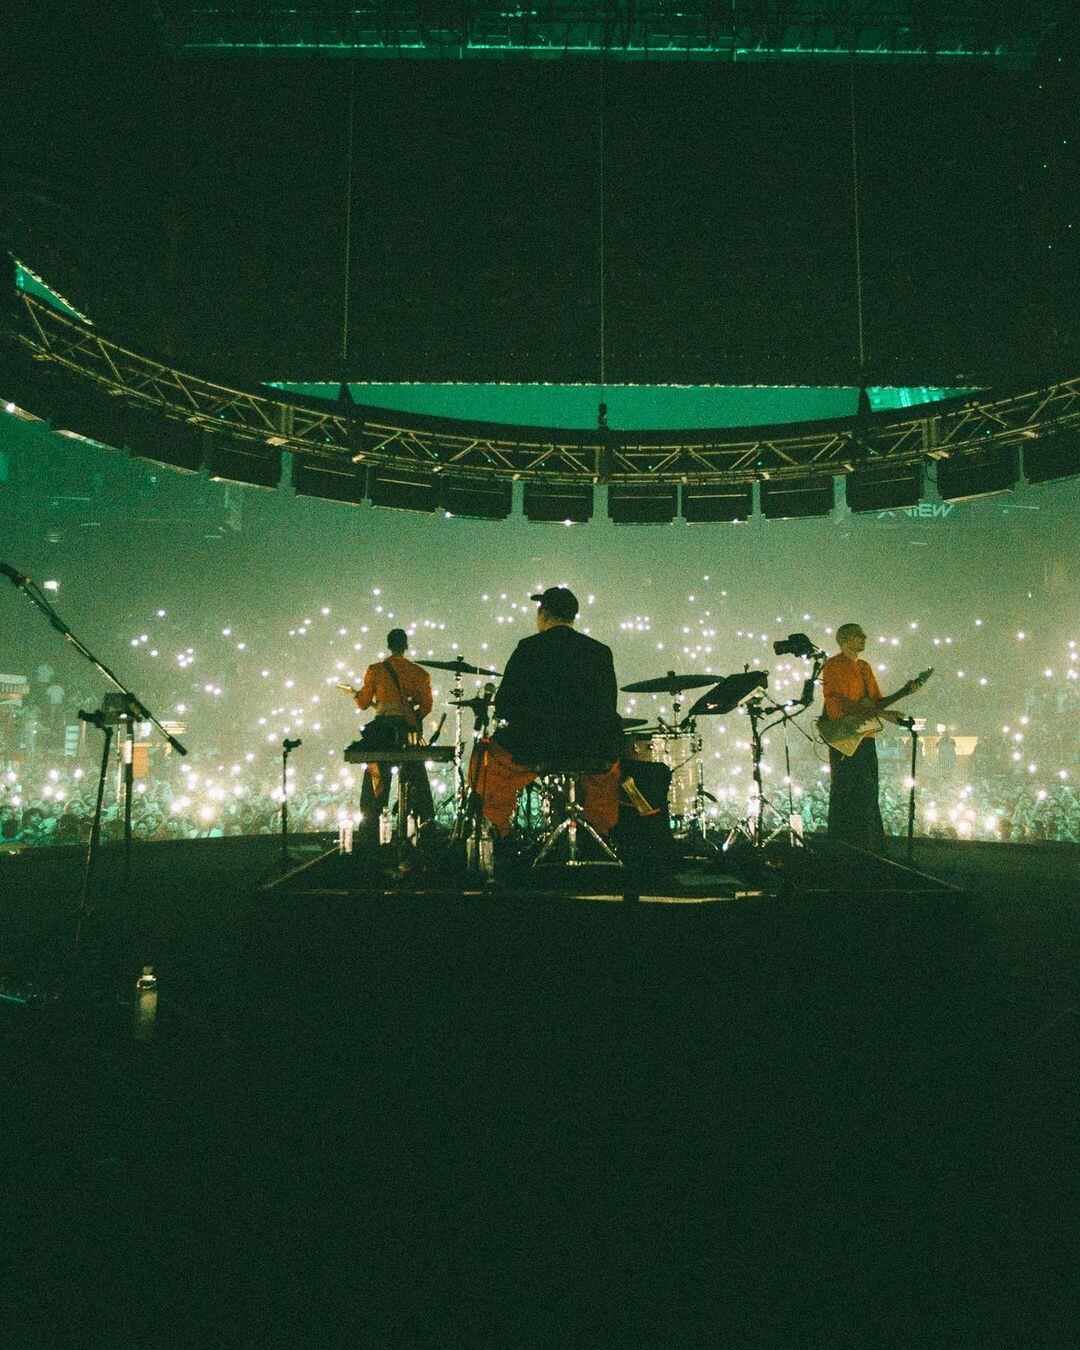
x=386 y=827
x=345 y=836
x=146 y=1001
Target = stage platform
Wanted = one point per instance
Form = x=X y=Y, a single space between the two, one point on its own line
x=809 y=1103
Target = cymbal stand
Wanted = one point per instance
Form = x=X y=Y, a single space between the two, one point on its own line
x=753 y=828
x=460 y=793
x=699 y=835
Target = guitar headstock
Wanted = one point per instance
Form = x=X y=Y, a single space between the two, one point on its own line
x=917 y=683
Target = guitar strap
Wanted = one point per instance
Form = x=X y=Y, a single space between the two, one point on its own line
x=409 y=710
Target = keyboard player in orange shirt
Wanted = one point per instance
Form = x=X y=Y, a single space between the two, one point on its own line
x=400 y=691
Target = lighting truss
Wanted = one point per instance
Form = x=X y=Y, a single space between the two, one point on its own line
x=642 y=30
x=322 y=432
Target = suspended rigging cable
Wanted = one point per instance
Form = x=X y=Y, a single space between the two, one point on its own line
x=857 y=221
x=347 y=249
x=603 y=240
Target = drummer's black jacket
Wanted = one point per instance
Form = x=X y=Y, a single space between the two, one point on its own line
x=558 y=697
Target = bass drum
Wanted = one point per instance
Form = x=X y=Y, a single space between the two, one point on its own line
x=677 y=753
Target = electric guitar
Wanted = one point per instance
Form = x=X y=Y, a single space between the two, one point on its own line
x=847 y=733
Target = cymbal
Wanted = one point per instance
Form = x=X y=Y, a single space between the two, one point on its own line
x=459 y=666
x=731 y=691
x=475 y=703
x=669 y=684
x=629 y=722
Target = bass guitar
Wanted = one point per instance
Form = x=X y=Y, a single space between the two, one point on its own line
x=846 y=733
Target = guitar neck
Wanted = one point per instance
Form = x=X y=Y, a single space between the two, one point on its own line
x=893 y=698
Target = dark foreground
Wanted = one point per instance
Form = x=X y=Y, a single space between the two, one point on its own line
x=826 y=1116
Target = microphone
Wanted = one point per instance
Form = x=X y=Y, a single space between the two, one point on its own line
x=290 y=745
x=16 y=578
x=807 y=695
x=435 y=736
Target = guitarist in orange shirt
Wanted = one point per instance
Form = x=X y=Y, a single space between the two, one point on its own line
x=850 y=687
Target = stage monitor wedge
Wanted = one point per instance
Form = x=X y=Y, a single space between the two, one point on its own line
x=977 y=475
x=704 y=504
x=553 y=503
x=883 y=487
x=403 y=489
x=1056 y=455
x=642 y=503
x=328 y=480
x=796 y=497
x=245 y=462
x=476 y=498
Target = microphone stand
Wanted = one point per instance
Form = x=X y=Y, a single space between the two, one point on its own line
x=94 y=719
x=913 y=730
x=287 y=747
x=134 y=710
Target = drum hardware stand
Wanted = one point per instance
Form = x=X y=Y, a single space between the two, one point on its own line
x=794 y=832
x=460 y=788
x=700 y=837
x=753 y=828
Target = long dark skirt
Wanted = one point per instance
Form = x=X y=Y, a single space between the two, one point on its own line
x=854 y=812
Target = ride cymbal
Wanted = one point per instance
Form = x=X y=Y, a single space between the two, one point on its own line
x=459 y=666
x=669 y=684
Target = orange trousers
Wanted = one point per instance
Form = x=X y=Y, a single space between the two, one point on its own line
x=497 y=779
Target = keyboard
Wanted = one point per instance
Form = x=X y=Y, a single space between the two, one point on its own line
x=406 y=754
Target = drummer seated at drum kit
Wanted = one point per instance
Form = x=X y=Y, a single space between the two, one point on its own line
x=556 y=708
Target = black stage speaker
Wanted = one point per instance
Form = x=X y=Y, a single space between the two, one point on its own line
x=247 y=462
x=701 y=504
x=977 y=475
x=553 y=502
x=642 y=503
x=884 y=487
x=330 y=480
x=402 y=489
x=479 y=498
x=1054 y=456
x=794 y=497
x=149 y=435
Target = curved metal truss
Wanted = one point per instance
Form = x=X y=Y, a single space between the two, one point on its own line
x=334 y=434
x=626 y=30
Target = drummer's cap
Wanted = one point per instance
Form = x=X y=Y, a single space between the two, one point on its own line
x=558 y=601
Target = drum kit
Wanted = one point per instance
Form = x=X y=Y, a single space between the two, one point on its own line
x=676 y=743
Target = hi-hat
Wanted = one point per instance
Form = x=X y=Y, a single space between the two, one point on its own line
x=731 y=691
x=669 y=684
x=477 y=704
x=459 y=666
x=630 y=722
